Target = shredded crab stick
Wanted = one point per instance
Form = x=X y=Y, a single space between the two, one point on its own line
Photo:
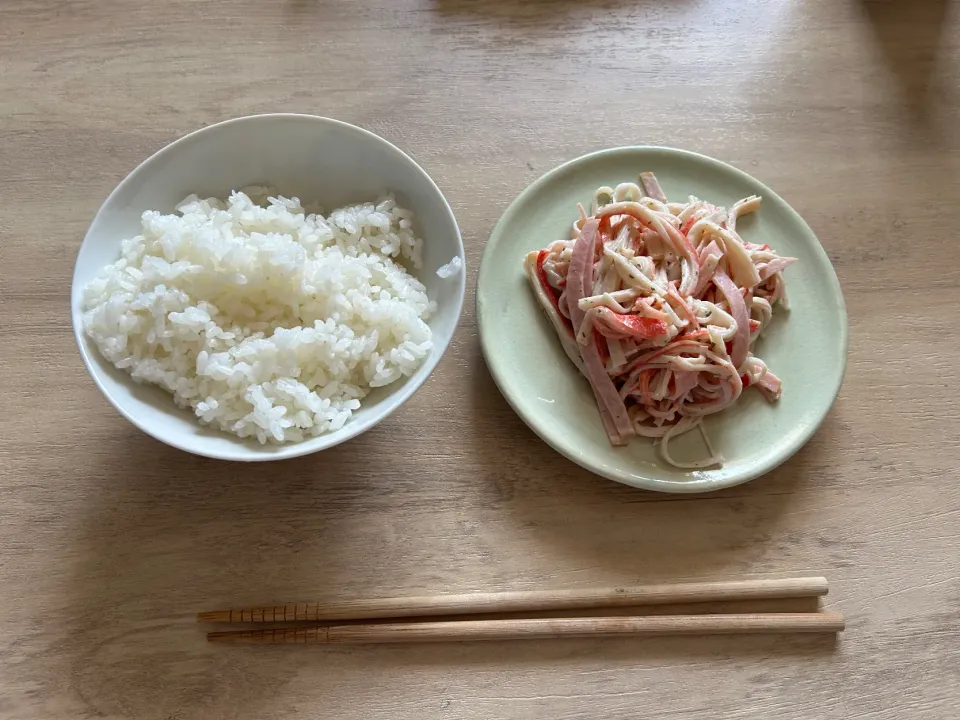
x=659 y=304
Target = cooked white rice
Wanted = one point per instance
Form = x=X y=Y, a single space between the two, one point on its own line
x=266 y=319
x=451 y=268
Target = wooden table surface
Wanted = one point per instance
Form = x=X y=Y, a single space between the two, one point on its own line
x=110 y=541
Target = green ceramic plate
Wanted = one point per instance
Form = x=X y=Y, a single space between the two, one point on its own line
x=806 y=346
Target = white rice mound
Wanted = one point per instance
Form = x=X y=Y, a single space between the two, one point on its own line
x=266 y=319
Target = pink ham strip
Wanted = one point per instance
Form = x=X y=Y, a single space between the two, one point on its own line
x=685 y=382
x=567 y=340
x=651 y=187
x=711 y=249
x=579 y=283
x=710 y=257
x=738 y=309
x=774 y=266
x=707 y=268
x=770 y=385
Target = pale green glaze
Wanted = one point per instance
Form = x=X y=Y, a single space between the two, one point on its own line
x=806 y=346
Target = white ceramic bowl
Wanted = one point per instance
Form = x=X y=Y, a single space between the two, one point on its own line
x=309 y=157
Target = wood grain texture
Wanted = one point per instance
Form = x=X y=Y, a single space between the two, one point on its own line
x=110 y=542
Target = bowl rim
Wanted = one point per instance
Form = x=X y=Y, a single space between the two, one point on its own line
x=700 y=484
x=311 y=445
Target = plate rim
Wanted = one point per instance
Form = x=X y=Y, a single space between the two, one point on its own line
x=700 y=484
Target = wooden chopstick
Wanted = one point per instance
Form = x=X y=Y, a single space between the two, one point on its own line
x=467 y=630
x=527 y=601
